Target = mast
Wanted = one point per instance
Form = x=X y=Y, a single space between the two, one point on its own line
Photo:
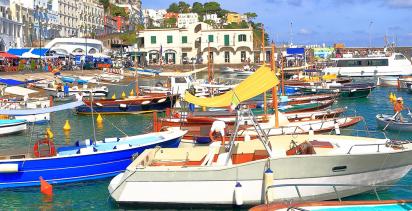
x=209 y=68
x=283 y=74
x=275 y=88
x=265 y=105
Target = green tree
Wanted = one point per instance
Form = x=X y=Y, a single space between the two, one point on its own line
x=173 y=8
x=105 y=3
x=183 y=7
x=212 y=7
x=170 y=22
x=251 y=16
x=198 y=8
x=118 y=11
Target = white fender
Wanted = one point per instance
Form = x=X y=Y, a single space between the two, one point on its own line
x=238 y=194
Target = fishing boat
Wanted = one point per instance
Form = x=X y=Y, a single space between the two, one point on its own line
x=208 y=175
x=85 y=160
x=100 y=91
x=18 y=105
x=292 y=100
x=134 y=104
x=394 y=65
x=305 y=107
x=345 y=91
x=388 y=122
x=12 y=126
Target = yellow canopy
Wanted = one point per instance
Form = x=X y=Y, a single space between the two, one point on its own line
x=257 y=83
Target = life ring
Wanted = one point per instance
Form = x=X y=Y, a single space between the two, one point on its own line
x=48 y=142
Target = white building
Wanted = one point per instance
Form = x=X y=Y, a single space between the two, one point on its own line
x=184 y=20
x=68 y=14
x=75 y=46
x=10 y=29
x=91 y=17
x=133 y=8
x=45 y=14
x=212 y=17
x=192 y=43
x=153 y=18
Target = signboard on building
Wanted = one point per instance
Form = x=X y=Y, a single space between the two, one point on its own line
x=323 y=53
x=4 y=3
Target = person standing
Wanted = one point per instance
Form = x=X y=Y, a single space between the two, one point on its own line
x=397 y=108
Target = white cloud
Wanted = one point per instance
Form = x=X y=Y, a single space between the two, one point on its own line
x=400 y=3
x=304 y=31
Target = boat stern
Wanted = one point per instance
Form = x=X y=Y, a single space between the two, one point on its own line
x=114 y=186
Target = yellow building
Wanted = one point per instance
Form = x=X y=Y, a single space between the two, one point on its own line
x=233 y=18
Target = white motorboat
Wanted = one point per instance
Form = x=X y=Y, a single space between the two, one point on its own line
x=400 y=82
x=101 y=91
x=32 y=104
x=11 y=126
x=208 y=175
x=395 y=65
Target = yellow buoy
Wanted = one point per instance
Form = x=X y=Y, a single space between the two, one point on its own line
x=114 y=96
x=67 y=125
x=49 y=133
x=123 y=95
x=99 y=119
x=131 y=93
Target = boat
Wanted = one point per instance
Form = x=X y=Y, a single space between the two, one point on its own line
x=12 y=126
x=32 y=104
x=373 y=205
x=400 y=82
x=394 y=65
x=101 y=91
x=199 y=118
x=345 y=91
x=133 y=104
x=85 y=160
x=208 y=175
x=387 y=122
x=292 y=100
x=305 y=107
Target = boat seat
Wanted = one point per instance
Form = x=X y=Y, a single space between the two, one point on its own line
x=87 y=142
x=304 y=148
x=108 y=140
x=122 y=146
x=86 y=150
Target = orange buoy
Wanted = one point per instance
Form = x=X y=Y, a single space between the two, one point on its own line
x=45 y=187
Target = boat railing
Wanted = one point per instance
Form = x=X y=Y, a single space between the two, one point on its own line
x=372 y=188
x=361 y=133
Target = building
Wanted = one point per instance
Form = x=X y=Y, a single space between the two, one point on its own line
x=68 y=14
x=184 y=20
x=10 y=28
x=91 y=17
x=67 y=46
x=212 y=17
x=41 y=17
x=235 y=18
x=153 y=18
x=134 y=9
x=177 y=45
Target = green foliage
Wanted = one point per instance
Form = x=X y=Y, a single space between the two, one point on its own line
x=170 y=22
x=129 y=38
x=242 y=25
x=173 y=8
x=105 y=3
x=251 y=16
x=118 y=11
x=212 y=7
x=184 y=7
x=198 y=8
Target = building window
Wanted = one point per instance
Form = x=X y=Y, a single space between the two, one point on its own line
x=227 y=57
x=243 y=56
x=210 y=38
x=153 y=39
x=169 y=39
x=226 y=40
x=184 y=39
x=242 y=38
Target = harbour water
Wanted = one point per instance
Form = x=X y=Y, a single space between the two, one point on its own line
x=93 y=195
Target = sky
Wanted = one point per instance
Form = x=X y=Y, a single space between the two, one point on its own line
x=352 y=22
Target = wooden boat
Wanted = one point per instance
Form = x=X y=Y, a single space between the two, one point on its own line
x=296 y=82
x=305 y=107
x=293 y=100
x=338 y=205
x=388 y=123
x=209 y=175
x=85 y=160
x=345 y=91
x=11 y=126
x=139 y=104
x=207 y=118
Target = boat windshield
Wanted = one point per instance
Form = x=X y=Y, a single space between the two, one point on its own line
x=362 y=62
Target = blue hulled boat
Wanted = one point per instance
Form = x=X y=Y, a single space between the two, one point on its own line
x=86 y=160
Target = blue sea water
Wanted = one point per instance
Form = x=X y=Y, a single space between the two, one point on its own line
x=93 y=195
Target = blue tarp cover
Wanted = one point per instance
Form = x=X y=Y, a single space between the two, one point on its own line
x=40 y=51
x=12 y=82
x=18 y=51
x=295 y=51
x=42 y=110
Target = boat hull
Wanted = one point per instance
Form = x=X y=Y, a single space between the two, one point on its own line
x=36 y=118
x=383 y=122
x=12 y=128
x=216 y=185
x=63 y=169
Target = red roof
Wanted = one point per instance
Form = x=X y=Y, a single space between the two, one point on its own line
x=7 y=55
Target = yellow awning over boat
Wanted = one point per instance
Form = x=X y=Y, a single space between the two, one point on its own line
x=257 y=83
